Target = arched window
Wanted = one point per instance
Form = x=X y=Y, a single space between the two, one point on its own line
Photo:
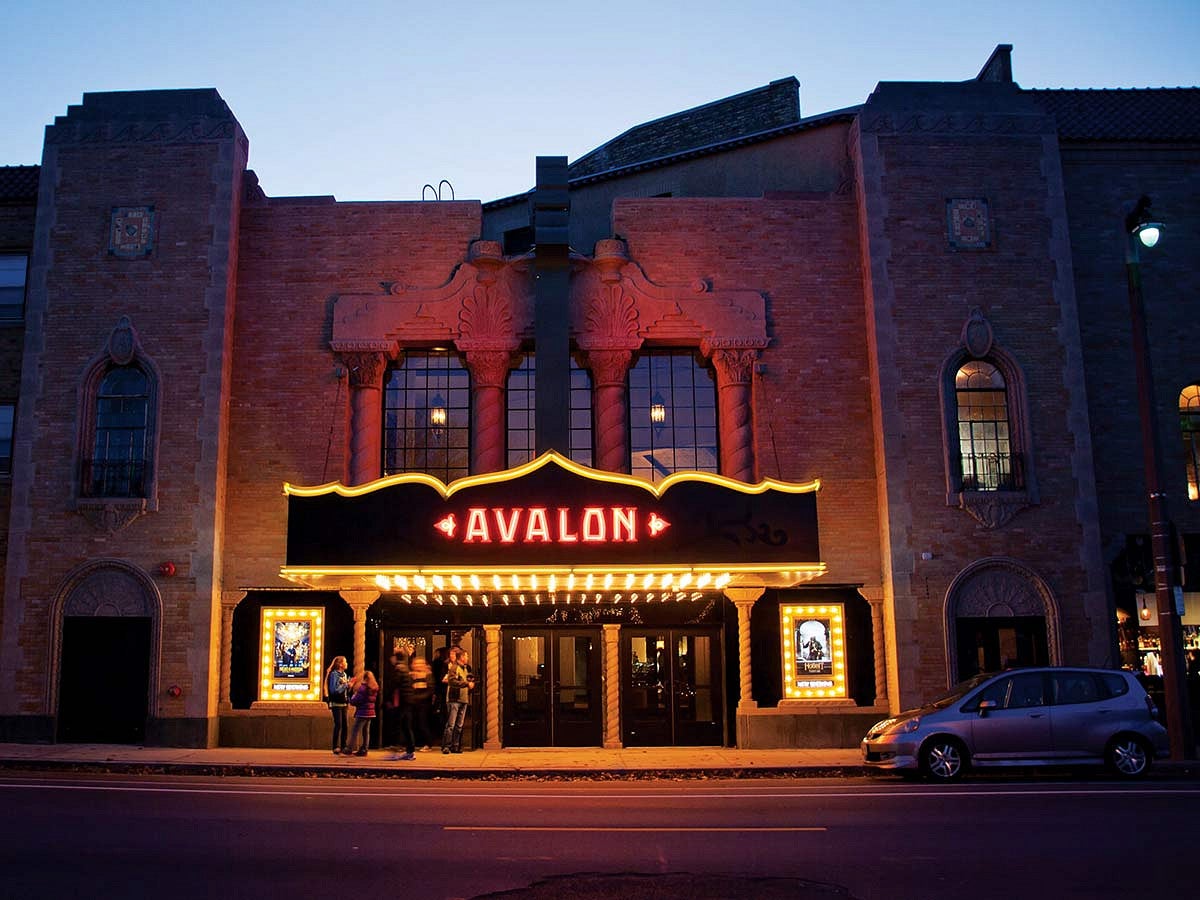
x=1189 y=423
x=427 y=416
x=986 y=458
x=672 y=414
x=119 y=461
x=521 y=397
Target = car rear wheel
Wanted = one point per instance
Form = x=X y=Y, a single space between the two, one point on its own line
x=1128 y=756
x=943 y=759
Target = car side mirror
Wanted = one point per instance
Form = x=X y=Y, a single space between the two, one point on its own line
x=985 y=705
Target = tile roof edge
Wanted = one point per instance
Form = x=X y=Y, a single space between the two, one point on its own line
x=845 y=114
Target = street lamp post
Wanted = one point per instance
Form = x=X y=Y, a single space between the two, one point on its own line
x=1141 y=231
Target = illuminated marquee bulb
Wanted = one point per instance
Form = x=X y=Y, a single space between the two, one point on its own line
x=608 y=581
x=475 y=583
x=457 y=581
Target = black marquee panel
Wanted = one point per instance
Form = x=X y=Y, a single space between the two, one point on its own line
x=494 y=522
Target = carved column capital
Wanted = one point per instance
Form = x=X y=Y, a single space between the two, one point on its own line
x=608 y=366
x=734 y=365
x=489 y=368
x=366 y=365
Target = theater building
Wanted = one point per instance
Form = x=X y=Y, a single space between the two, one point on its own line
x=745 y=429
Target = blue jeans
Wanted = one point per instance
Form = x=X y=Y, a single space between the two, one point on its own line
x=456 y=715
x=364 y=726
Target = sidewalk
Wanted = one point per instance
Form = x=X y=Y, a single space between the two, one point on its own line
x=559 y=762
x=640 y=762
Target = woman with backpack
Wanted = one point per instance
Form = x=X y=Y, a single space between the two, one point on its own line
x=337 y=695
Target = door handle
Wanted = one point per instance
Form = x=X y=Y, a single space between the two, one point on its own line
x=1036 y=715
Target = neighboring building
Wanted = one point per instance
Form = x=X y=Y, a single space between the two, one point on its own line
x=891 y=344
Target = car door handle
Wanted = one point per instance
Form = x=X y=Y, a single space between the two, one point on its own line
x=1036 y=715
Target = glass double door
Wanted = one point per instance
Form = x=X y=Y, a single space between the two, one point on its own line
x=553 y=696
x=671 y=687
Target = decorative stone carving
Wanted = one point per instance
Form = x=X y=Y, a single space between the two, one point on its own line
x=110 y=514
x=485 y=321
x=977 y=335
x=108 y=592
x=734 y=366
x=611 y=320
x=993 y=509
x=123 y=343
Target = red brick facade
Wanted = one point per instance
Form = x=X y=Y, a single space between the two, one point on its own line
x=834 y=321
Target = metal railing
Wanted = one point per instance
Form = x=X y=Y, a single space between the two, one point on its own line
x=992 y=472
x=114 y=478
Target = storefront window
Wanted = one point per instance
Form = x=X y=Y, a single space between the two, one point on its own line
x=427 y=416
x=1189 y=423
x=672 y=415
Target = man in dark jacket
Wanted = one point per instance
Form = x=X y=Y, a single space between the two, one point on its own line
x=403 y=699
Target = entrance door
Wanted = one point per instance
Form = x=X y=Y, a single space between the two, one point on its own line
x=552 y=690
x=105 y=683
x=997 y=643
x=671 y=687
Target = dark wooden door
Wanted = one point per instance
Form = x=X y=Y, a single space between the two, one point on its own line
x=103 y=692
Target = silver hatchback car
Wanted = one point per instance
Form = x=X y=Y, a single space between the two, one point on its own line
x=1024 y=717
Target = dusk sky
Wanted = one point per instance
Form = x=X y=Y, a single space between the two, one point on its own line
x=371 y=100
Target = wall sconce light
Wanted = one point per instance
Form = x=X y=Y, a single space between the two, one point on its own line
x=437 y=413
x=658 y=410
x=166 y=569
x=1144 y=612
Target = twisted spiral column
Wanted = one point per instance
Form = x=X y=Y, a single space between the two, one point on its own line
x=744 y=599
x=366 y=368
x=734 y=370
x=491 y=737
x=229 y=602
x=609 y=369
x=489 y=373
x=358 y=602
x=612 y=687
x=878 y=643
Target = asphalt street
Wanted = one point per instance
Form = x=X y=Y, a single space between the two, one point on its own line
x=864 y=838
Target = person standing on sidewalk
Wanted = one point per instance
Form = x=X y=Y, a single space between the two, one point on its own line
x=458 y=698
x=403 y=706
x=422 y=688
x=337 y=695
x=366 y=695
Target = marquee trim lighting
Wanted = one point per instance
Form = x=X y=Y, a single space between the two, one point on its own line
x=655 y=488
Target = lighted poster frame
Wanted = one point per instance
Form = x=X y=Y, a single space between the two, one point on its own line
x=814 y=651
x=292 y=639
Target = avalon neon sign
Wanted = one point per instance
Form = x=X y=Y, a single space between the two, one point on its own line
x=551 y=525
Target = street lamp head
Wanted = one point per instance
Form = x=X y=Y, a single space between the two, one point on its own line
x=1140 y=225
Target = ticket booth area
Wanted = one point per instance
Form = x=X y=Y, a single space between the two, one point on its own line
x=599 y=609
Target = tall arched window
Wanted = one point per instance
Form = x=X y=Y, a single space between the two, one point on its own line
x=987 y=460
x=1189 y=423
x=119 y=461
x=521 y=397
x=672 y=414
x=427 y=416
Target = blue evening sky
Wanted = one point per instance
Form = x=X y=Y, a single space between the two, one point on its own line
x=371 y=100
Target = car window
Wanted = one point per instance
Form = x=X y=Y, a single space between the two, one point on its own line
x=997 y=692
x=1074 y=687
x=1028 y=690
x=1113 y=684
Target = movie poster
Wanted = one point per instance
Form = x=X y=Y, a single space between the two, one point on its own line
x=291 y=642
x=814 y=657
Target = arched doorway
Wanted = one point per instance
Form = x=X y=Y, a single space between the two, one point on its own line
x=106 y=621
x=999 y=614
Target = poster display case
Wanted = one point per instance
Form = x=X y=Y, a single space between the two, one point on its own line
x=814 y=651
x=291 y=654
